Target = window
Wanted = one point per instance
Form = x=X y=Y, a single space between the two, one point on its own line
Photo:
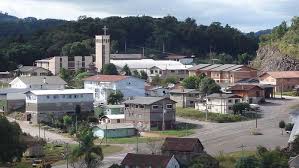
x=156 y=71
x=152 y=71
x=136 y=106
x=191 y=102
x=83 y=64
x=127 y=105
x=48 y=97
x=169 y=106
x=160 y=72
x=173 y=71
x=141 y=106
x=63 y=96
x=75 y=96
x=118 y=120
x=230 y=108
x=83 y=58
x=155 y=106
x=55 y=96
x=237 y=101
x=69 y=96
x=229 y=100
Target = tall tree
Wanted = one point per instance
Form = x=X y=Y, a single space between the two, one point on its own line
x=126 y=70
x=109 y=69
x=115 y=98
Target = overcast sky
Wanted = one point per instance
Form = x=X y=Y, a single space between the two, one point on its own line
x=246 y=15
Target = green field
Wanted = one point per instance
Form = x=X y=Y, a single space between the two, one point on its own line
x=228 y=160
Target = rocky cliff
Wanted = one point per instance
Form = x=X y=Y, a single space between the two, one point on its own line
x=270 y=58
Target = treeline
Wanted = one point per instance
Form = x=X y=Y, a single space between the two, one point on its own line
x=77 y=38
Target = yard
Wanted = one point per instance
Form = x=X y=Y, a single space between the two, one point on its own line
x=228 y=160
x=213 y=117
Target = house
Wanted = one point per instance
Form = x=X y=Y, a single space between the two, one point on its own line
x=179 y=58
x=149 y=161
x=161 y=68
x=184 y=97
x=186 y=149
x=31 y=71
x=224 y=73
x=41 y=105
x=148 y=113
x=38 y=82
x=112 y=119
x=108 y=110
x=250 y=93
x=104 y=85
x=12 y=99
x=218 y=103
x=282 y=80
x=117 y=130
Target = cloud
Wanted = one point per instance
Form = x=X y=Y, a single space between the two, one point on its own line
x=247 y=15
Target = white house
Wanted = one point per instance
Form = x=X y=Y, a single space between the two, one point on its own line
x=38 y=82
x=104 y=85
x=218 y=103
x=41 y=104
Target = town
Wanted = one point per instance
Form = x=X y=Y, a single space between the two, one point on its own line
x=133 y=109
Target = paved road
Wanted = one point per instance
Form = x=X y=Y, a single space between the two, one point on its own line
x=34 y=131
x=228 y=137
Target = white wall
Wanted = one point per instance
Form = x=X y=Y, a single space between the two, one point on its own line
x=63 y=98
x=218 y=105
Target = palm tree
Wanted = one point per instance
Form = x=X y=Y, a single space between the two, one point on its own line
x=90 y=154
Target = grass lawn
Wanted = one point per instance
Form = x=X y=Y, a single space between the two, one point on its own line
x=214 y=117
x=228 y=160
x=289 y=94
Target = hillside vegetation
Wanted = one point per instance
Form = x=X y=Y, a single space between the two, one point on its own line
x=24 y=40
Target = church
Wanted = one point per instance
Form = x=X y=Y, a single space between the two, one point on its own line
x=102 y=56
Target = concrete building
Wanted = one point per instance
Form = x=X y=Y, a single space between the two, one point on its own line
x=149 y=161
x=161 y=68
x=224 y=73
x=38 y=82
x=148 y=113
x=31 y=71
x=108 y=110
x=112 y=119
x=12 y=99
x=114 y=130
x=218 y=103
x=41 y=104
x=104 y=85
x=250 y=93
x=184 y=97
x=56 y=63
x=157 y=91
x=282 y=80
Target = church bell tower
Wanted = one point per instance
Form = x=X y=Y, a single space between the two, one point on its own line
x=102 y=43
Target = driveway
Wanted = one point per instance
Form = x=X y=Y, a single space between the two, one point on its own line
x=229 y=137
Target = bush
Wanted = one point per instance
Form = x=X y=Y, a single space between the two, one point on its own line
x=289 y=127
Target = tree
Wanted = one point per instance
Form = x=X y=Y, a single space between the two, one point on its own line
x=244 y=58
x=247 y=162
x=239 y=108
x=156 y=80
x=208 y=86
x=116 y=166
x=171 y=79
x=11 y=145
x=136 y=74
x=191 y=82
x=115 y=98
x=65 y=75
x=143 y=75
x=109 y=69
x=289 y=127
x=126 y=70
x=274 y=159
x=87 y=152
x=282 y=125
x=67 y=121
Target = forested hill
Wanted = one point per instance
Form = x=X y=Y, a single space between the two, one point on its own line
x=279 y=50
x=26 y=40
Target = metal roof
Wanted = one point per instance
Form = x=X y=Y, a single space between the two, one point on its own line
x=64 y=91
x=199 y=66
x=39 y=80
x=211 y=67
x=223 y=67
x=233 y=68
x=144 y=100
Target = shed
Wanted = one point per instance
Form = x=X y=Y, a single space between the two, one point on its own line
x=114 y=130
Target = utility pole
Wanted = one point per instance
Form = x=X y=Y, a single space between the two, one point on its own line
x=163 y=117
x=206 y=107
x=125 y=46
x=163 y=47
x=39 y=130
x=106 y=134
x=142 y=52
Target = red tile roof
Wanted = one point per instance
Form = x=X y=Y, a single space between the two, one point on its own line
x=284 y=74
x=106 y=78
x=244 y=87
x=181 y=144
x=145 y=160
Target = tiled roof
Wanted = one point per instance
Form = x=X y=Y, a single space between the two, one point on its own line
x=146 y=160
x=284 y=74
x=243 y=87
x=106 y=78
x=180 y=144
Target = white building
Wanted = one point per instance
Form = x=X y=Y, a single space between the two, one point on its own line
x=41 y=104
x=218 y=103
x=161 y=68
x=38 y=82
x=104 y=85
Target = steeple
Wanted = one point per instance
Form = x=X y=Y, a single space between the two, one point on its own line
x=102 y=49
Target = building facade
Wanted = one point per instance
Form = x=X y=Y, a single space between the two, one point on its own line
x=41 y=105
x=31 y=71
x=218 y=103
x=102 y=51
x=104 y=85
x=38 y=82
x=250 y=93
x=184 y=97
x=224 y=73
x=282 y=80
x=149 y=113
